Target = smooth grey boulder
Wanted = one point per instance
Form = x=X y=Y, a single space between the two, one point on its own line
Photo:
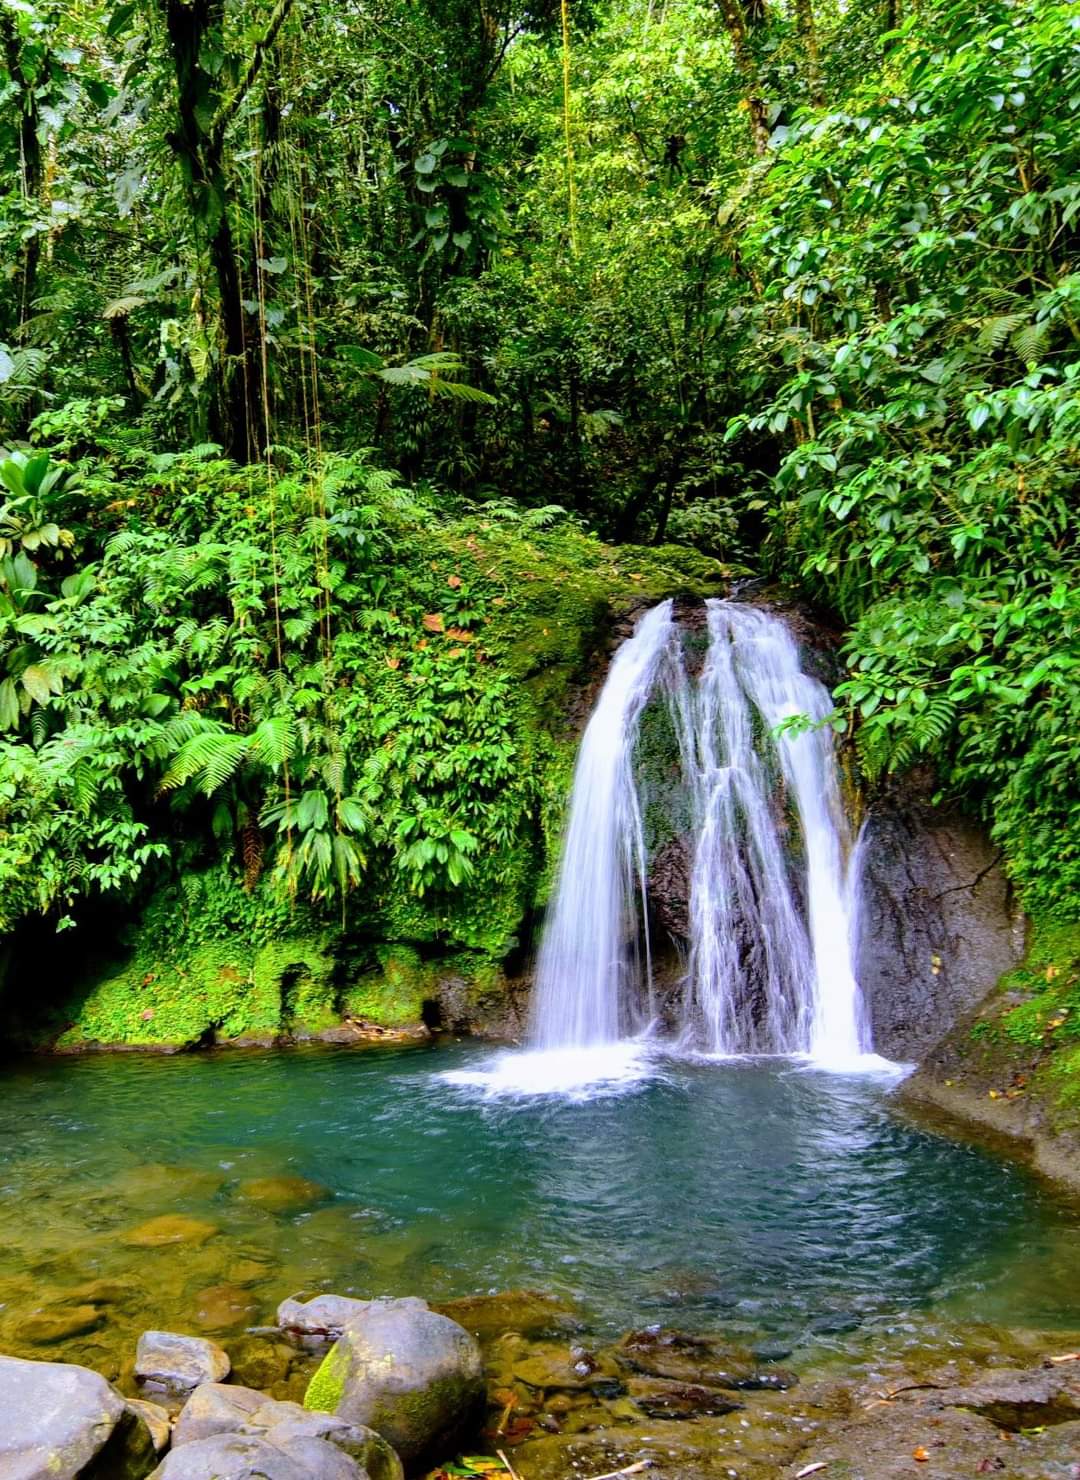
x=168 y=1361
x=217 y=1409
x=247 y=1457
x=285 y=1423
x=414 y=1376
x=57 y=1419
x=323 y=1316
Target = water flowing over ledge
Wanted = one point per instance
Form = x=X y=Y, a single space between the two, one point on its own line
x=773 y=893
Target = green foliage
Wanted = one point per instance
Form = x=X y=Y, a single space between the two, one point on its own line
x=915 y=251
x=778 y=284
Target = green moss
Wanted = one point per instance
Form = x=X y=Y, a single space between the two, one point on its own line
x=393 y=994
x=1049 y=977
x=327 y=1388
x=1026 y=1041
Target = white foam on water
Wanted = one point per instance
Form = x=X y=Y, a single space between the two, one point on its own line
x=568 y=1073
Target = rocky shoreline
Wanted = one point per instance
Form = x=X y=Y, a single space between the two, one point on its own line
x=508 y=1386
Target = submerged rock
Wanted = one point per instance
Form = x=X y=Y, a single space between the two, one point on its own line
x=529 y=1312
x=414 y=1376
x=223 y=1307
x=681 y=1357
x=170 y=1228
x=58 y=1419
x=284 y=1194
x=170 y=1362
x=59 y=1324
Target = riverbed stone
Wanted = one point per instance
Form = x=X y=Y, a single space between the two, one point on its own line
x=323 y=1316
x=249 y=1457
x=156 y=1420
x=59 y=1323
x=57 y=1418
x=169 y=1228
x=224 y=1307
x=283 y=1194
x=414 y=1376
x=529 y=1312
x=169 y=1361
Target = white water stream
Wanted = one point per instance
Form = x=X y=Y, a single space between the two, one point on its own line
x=771 y=935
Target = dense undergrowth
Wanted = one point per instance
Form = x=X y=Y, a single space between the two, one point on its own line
x=793 y=285
x=283 y=711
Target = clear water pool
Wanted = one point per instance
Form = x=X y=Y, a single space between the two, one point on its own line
x=763 y=1199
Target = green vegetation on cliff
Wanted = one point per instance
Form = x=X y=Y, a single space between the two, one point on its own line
x=794 y=285
x=257 y=708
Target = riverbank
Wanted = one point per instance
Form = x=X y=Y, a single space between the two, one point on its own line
x=513 y=1387
x=1009 y=1072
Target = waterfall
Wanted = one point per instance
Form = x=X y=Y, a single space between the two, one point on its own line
x=770 y=954
x=595 y=959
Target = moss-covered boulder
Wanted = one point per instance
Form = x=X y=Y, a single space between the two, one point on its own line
x=415 y=1377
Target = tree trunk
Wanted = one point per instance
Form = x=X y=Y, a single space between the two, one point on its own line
x=735 y=19
x=30 y=170
x=236 y=382
x=807 y=29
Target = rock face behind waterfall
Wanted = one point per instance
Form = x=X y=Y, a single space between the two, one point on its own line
x=939 y=923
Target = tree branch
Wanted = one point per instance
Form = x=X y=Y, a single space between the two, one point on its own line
x=232 y=104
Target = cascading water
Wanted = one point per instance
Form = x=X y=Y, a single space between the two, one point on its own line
x=589 y=976
x=769 y=965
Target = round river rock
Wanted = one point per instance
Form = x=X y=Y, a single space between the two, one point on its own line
x=413 y=1376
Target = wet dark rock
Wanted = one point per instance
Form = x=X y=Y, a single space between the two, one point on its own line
x=1020 y=1400
x=58 y=1420
x=659 y=1398
x=681 y=1357
x=412 y=1375
x=939 y=924
x=170 y=1363
x=669 y=886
